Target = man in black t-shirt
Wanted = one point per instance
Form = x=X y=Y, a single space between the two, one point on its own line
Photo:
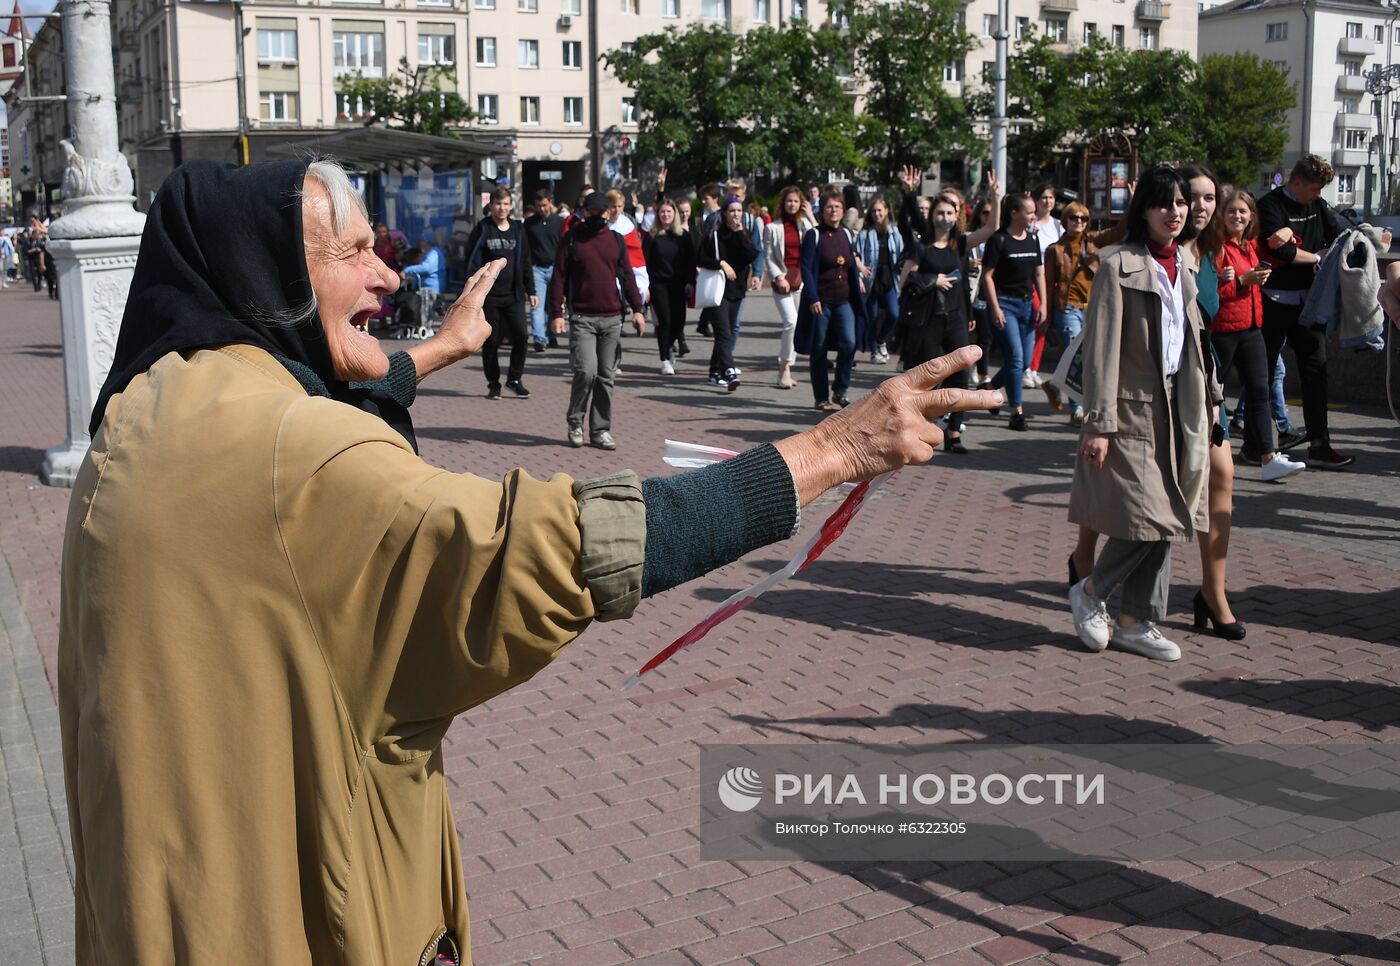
x=543 y=230
x=498 y=236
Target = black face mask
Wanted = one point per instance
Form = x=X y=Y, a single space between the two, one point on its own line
x=222 y=253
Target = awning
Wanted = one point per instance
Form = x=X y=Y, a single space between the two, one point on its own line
x=374 y=147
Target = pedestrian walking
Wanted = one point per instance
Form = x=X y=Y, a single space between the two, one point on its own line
x=7 y=258
x=497 y=237
x=753 y=227
x=730 y=249
x=831 y=302
x=880 y=248
x=592 y=286
x=1311 y=226
x=782 y=245
x=543 y=230
x=1047 y=229
x=1149 y=395
x=1012 y=276
x=671 y=268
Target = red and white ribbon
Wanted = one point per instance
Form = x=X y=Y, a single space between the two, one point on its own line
x=693 y=456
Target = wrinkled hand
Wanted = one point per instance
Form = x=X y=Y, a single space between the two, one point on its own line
x=465 y=326
x=1094 y=450
x=558 y=326
x=884 y=430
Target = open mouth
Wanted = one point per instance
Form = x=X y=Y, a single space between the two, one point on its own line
x=360 y=321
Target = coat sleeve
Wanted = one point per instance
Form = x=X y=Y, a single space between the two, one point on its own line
x=428 y=591
x=808 y=262
x=772 y=245
x=1102 y=347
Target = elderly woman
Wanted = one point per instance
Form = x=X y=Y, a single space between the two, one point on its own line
x=1149 y=390
x=272 y=609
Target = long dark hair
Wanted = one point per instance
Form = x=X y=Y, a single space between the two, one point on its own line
x=1156 y=188
x=1010 y=203
x=1212 y=236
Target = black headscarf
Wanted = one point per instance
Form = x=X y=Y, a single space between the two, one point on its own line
x=221 y=255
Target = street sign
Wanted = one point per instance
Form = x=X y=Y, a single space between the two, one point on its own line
x=551 y=176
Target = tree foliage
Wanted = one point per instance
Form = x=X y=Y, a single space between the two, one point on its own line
x=1244 y=127
x=424 y=100
x=900 y=51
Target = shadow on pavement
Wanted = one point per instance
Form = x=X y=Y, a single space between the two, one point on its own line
x=21 y=459
x=1373 y=705
x=1102 y=896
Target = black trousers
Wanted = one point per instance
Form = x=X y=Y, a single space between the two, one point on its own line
x=668 y=305
x=1309 y=353
x=722 y=325
x=938 y=336
x=507 y=319
x=1245 y=351
x=982 y=338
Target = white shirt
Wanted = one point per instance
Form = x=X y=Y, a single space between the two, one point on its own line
x=1173 y=316
x=1047 y=232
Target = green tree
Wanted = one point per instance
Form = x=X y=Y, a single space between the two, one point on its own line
x=900 y=51
x=1150 y=95
x=1244 y=126
x=689 y=107
x=424 y=100
x=797 y=110
x=1044 y=121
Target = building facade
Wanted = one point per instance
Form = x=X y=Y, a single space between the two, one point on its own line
x=37 y=127
x=1327 y=47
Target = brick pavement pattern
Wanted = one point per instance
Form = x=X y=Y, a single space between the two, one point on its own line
x=942 y=619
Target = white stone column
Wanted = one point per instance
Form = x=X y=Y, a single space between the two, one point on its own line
x=95 y=243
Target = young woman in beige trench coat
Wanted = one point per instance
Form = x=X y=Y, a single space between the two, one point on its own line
x=1140 y=476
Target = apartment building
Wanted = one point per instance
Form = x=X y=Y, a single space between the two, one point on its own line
x=1327 y=46
x=36 y=128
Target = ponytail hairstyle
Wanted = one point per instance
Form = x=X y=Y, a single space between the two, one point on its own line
x=1012 y=202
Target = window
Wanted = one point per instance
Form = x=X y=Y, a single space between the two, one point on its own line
x=573 y=8
x=1353 y=28
x=277 y=106
x=488 y=109
x=573 y=110
x=1023 y=24
x=1147 y=38
x=840 y=17
x=527 y=6
x=1281 y=65
x=1379 y=33
x=1091 y=32
x=528 y=53
x=1396 y=38
x=1350 y=105
x=1057 y=29
x=436 y=49
x=989 y=71
x=272 y=45
x=760 y=11
x=1346 y=186
x=573 y=54
x=629 y=46
x=1354 y=139
x=358 y=52
x=352 y=108
x=486 y=51
x=714 y=9
x=629 y=110
x=484 y=4
x=1118 y=35
x=953 y=71
x=627 y=166
x=1351 y=68
x=632 y=6
x=989 y=24
x=434 y=3
x=529 y=110
x=7 y=56
x=799 y=12
x=670 y=8
x=1276 y=31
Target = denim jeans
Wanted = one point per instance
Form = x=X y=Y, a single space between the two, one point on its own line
x=876 y=333
x=1068 y=323
x=1017 y=342
x=537 y=314
x=841 y=319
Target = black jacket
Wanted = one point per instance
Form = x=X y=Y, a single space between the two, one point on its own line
x=734 y=247
x=670 y=259
x=523 y=281
x=1315 y=226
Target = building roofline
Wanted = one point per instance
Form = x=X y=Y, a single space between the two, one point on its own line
x=1257 y=6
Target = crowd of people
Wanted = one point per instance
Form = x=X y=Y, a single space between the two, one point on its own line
x=26 y=251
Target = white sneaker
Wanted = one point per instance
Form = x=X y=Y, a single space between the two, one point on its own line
x=1280 y=468
x=667 y=368
x=1027 y=380
x=1076 y=418
x=1144 y=638
x=1090 y=617
x=882 y=355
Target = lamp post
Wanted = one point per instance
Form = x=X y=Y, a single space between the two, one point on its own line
x=94 y=244
x=999 y=118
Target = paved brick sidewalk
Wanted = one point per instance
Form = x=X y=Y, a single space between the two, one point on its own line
x=942 y=620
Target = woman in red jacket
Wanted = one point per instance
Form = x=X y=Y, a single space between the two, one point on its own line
x=1236 y=333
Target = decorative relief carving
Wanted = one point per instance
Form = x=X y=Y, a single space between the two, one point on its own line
x=105 y=309
x=91 y=179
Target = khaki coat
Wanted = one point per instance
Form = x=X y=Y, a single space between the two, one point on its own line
x=272 y=610
x=1153 y=484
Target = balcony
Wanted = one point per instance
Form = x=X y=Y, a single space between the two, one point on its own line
x=1349 y=158
x=1357 y=121
x=1351 y=84
x=1356 y=47
x=1153 y=10
x=1064 y=5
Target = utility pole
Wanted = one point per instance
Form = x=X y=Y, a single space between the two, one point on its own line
x=238 y=71
x=999 y=119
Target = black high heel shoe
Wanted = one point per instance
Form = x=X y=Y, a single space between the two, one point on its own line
x=1203 y=613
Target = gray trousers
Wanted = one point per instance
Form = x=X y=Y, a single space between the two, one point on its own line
x=1142 y=569
x=595 y=343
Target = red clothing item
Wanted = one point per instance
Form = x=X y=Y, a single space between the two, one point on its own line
x=1241 y=306
x=792 y=251
x=635 y=255
x=1166 y=257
